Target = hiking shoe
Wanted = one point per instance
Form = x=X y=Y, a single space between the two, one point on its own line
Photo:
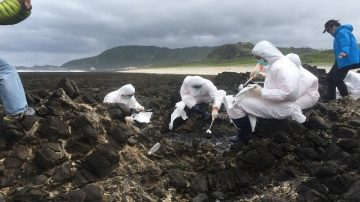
x=19 y=117
x=240 y=138
x=13 y=118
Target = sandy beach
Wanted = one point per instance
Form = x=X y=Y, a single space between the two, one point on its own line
x=198 y=70
x=191 y=70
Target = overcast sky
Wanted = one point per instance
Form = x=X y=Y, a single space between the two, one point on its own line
x=59 y=31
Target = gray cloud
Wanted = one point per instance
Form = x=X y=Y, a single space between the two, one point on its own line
x=69 y=29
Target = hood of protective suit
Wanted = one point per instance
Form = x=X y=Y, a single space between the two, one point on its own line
x=127 y=89
x=116 y=96
x=267 y=50
x=195 y=80
x=205 y=94
x=294 y=58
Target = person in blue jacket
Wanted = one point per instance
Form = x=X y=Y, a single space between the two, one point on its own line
x=347 y=57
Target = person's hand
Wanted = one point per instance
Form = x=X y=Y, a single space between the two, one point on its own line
x=342 y=55
x=129 y=120
x=26 y=4
x=140 y=109
x=214 y=113
x=255 y=73
x=256 y=90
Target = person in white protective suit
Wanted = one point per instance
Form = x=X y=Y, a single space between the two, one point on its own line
x=275 y=100
x=352 y=81
x=309 y=84
x=125 y=96
x=196 y=90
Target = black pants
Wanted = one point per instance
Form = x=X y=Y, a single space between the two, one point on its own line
x=244 y=126
x=335 y=79
x=199 y=108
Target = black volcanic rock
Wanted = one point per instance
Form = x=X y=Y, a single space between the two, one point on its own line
x=70 y=87
x=102 y=161
x=54 y=128
x=76 y=151
x=177 y=179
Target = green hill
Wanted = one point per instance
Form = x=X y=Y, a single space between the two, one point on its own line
x=240 y=53
x=152 y=56
x=140 y=56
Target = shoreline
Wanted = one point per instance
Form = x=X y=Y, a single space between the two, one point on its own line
x=199 y=70
x=183 y=70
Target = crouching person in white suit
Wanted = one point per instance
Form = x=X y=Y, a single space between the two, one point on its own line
x=309 y=88
x=352 y=81
x=194 y=92
x=125 y=96
x=276 y=100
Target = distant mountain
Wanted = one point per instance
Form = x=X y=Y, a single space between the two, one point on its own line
x=140 y=56
x=231 y=51
x=39 y=67
x=123 y=57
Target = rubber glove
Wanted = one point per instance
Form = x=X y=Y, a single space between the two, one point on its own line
x=255 y=73
x=140 y=109
x=214 y=113
x=129 y=120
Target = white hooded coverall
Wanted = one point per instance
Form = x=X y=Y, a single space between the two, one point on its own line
x=352 y=81
x=280 y=90
x=206 y=94
x=116 y=97
x=309 y=85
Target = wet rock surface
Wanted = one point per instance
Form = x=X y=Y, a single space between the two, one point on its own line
x=78 y=149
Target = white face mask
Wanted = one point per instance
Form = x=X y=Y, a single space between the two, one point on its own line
x=126 y=97
x=197 y=90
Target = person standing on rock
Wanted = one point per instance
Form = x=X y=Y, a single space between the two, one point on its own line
x=347 y=56
x=11 y=89
x=125 y=96
x=276 y=100
x=309 y=84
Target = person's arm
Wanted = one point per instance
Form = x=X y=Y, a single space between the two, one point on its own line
x=186 y=97
x=14 y=11
x=216 y=95
x=344 y=41
x=288 y=84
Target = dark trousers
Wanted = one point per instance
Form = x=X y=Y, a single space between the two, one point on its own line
x=243 y=125
x=335 y=79
x=199 y=109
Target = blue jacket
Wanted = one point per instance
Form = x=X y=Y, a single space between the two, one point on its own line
x=344 y=41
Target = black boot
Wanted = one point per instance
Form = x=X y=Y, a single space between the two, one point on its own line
x=244 y=132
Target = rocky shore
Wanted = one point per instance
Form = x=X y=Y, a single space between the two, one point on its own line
x=78 y=149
